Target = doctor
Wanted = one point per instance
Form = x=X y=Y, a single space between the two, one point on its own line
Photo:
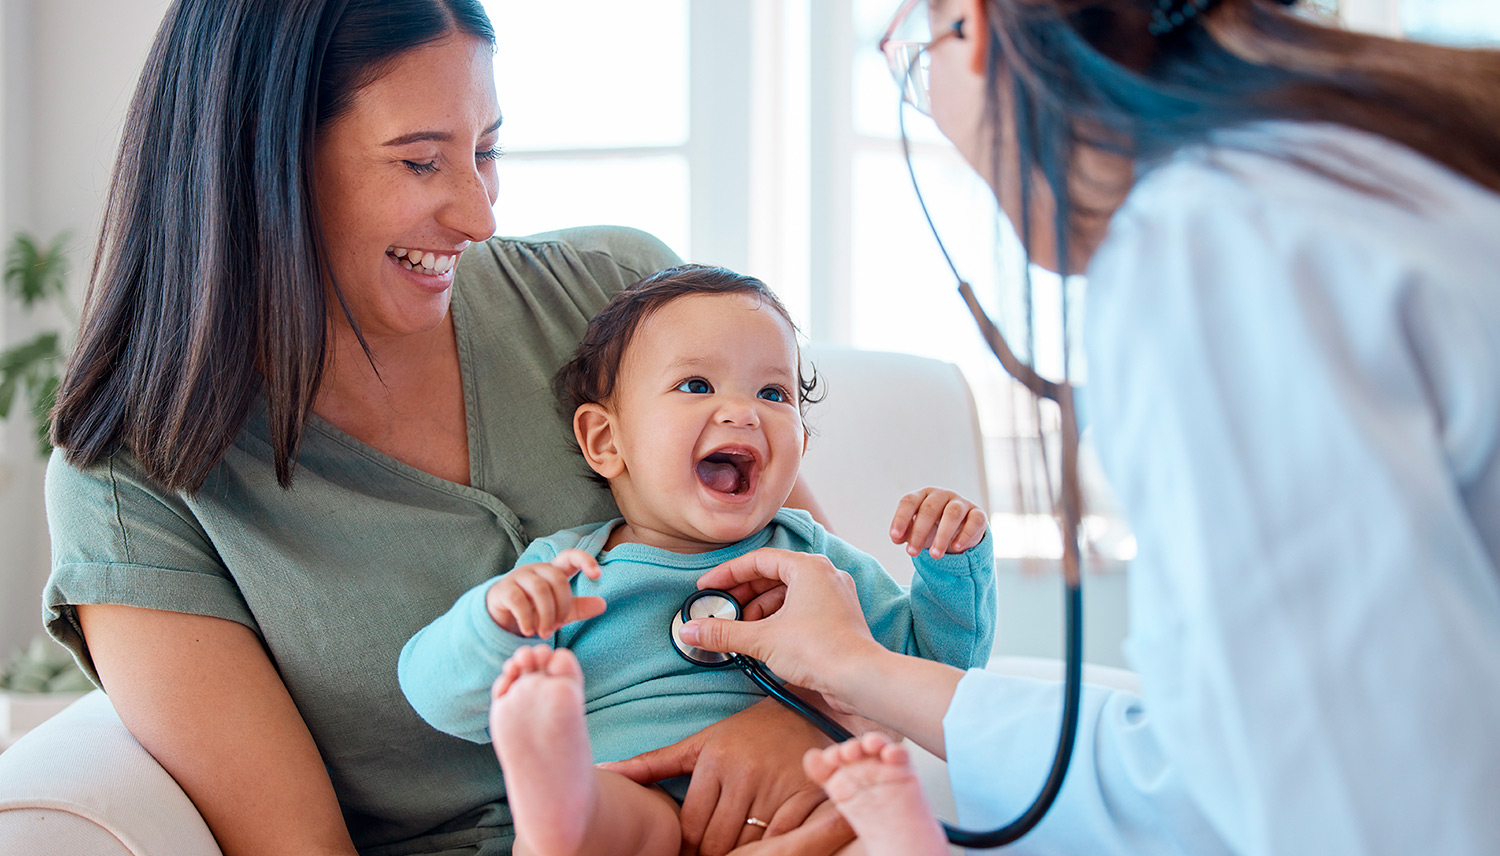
x=1292 y=241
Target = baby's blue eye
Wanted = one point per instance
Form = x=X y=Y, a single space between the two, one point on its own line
x=773 y=393
x=695 y=385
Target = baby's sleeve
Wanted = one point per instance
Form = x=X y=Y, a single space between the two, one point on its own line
x=447 y=668
x=948 y=613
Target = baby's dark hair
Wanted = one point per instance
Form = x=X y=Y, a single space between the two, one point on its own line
x=589 y=378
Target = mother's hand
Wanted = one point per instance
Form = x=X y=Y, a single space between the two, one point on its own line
x=814 y=633
x=748 y=765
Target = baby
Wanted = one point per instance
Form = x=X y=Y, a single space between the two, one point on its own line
x=687 y=398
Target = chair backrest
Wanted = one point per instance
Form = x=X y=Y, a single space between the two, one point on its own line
x=889 y=424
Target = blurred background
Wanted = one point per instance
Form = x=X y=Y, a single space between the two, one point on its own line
x=756 y=134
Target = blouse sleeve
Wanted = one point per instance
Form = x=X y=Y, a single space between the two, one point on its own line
x=1314 y=615
x=118 y=539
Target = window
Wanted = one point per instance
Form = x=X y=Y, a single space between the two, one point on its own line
x=762 y=136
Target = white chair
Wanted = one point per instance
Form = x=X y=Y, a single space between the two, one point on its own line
x=888 y=424
x=80 y=784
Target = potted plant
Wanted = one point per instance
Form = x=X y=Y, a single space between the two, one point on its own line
x=35 y=684
x=35 y=274
x=40 y=680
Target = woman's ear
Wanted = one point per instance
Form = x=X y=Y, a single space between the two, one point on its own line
x=976 y=34
x=594 y=428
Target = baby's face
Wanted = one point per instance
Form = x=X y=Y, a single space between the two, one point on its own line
x=707 y=422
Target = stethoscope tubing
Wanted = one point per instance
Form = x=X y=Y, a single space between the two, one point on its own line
x=978 y=839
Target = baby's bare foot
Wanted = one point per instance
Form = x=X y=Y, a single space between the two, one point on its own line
x=871 y=780
x=536 y=723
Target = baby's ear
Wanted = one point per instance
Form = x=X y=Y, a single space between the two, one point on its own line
x=594 y=428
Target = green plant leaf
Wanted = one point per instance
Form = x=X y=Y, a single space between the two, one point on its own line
x=32 y=367
x=34 y=273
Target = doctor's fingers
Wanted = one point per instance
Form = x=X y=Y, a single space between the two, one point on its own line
x=767 y=563
x=763 y=605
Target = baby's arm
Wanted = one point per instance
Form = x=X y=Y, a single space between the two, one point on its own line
x=446 y=670
x=948 y=613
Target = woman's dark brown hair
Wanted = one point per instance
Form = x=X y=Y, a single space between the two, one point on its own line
x=209 y=287
x=1076 y=75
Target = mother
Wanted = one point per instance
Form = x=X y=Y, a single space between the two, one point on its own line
x=291 y=436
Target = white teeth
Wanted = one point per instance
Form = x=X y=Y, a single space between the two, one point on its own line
x=429 y=263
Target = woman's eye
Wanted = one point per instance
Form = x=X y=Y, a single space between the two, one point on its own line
x=695 y=385
x=773 y=393
x=493 y=153
x=422 y=167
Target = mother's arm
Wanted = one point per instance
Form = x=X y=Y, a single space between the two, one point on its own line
x=201 y=695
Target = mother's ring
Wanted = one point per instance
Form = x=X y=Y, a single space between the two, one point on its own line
x=755 y=821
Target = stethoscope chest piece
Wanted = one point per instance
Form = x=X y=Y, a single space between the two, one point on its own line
x=709 y=603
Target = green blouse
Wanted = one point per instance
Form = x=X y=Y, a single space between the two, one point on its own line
x=337 y=572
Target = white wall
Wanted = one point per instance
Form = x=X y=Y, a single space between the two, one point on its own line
x=67 y=69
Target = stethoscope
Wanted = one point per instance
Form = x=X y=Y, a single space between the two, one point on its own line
x=719 y=604
x=713 y=603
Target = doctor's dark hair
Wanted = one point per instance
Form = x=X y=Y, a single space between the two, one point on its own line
x=1070 y=75
x=590 y=376
x=210 y=281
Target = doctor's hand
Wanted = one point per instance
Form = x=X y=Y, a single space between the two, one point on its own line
x=938 y=521
x=747 y=765
x=814 y=634
x=537 y=599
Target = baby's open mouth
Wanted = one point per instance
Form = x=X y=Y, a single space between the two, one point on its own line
x=727 y=471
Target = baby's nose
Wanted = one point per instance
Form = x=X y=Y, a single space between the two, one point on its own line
x=738 y=412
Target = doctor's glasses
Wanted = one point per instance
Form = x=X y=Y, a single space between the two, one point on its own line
x=906 y=44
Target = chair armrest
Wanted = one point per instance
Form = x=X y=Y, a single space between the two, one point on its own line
x=80 y=784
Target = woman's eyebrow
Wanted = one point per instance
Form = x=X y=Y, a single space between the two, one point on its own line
x=436 y=136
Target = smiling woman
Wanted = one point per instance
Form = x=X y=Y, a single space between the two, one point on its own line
x=310 y=407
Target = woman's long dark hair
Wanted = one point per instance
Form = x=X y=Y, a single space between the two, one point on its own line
x=209 y=285
x=1077 y=74
x=1069 y=76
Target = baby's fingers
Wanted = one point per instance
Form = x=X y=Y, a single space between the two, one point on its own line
x=973 y=532
x=905 y=509
x=572 y=561
x=924 y=525
x=950 y=524
x=584 y=607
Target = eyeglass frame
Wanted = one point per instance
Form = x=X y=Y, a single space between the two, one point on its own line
x=903 y=70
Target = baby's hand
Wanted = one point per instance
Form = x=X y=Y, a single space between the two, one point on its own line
x=939 y=521
x=535 y=600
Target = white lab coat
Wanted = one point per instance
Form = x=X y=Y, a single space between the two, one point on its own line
x=1294 y=387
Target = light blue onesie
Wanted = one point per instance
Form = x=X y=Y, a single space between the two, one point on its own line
x=639 y=693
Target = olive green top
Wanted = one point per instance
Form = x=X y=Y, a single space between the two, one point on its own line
x=337 y=572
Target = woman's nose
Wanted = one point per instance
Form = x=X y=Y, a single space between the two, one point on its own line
x=471 y=208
